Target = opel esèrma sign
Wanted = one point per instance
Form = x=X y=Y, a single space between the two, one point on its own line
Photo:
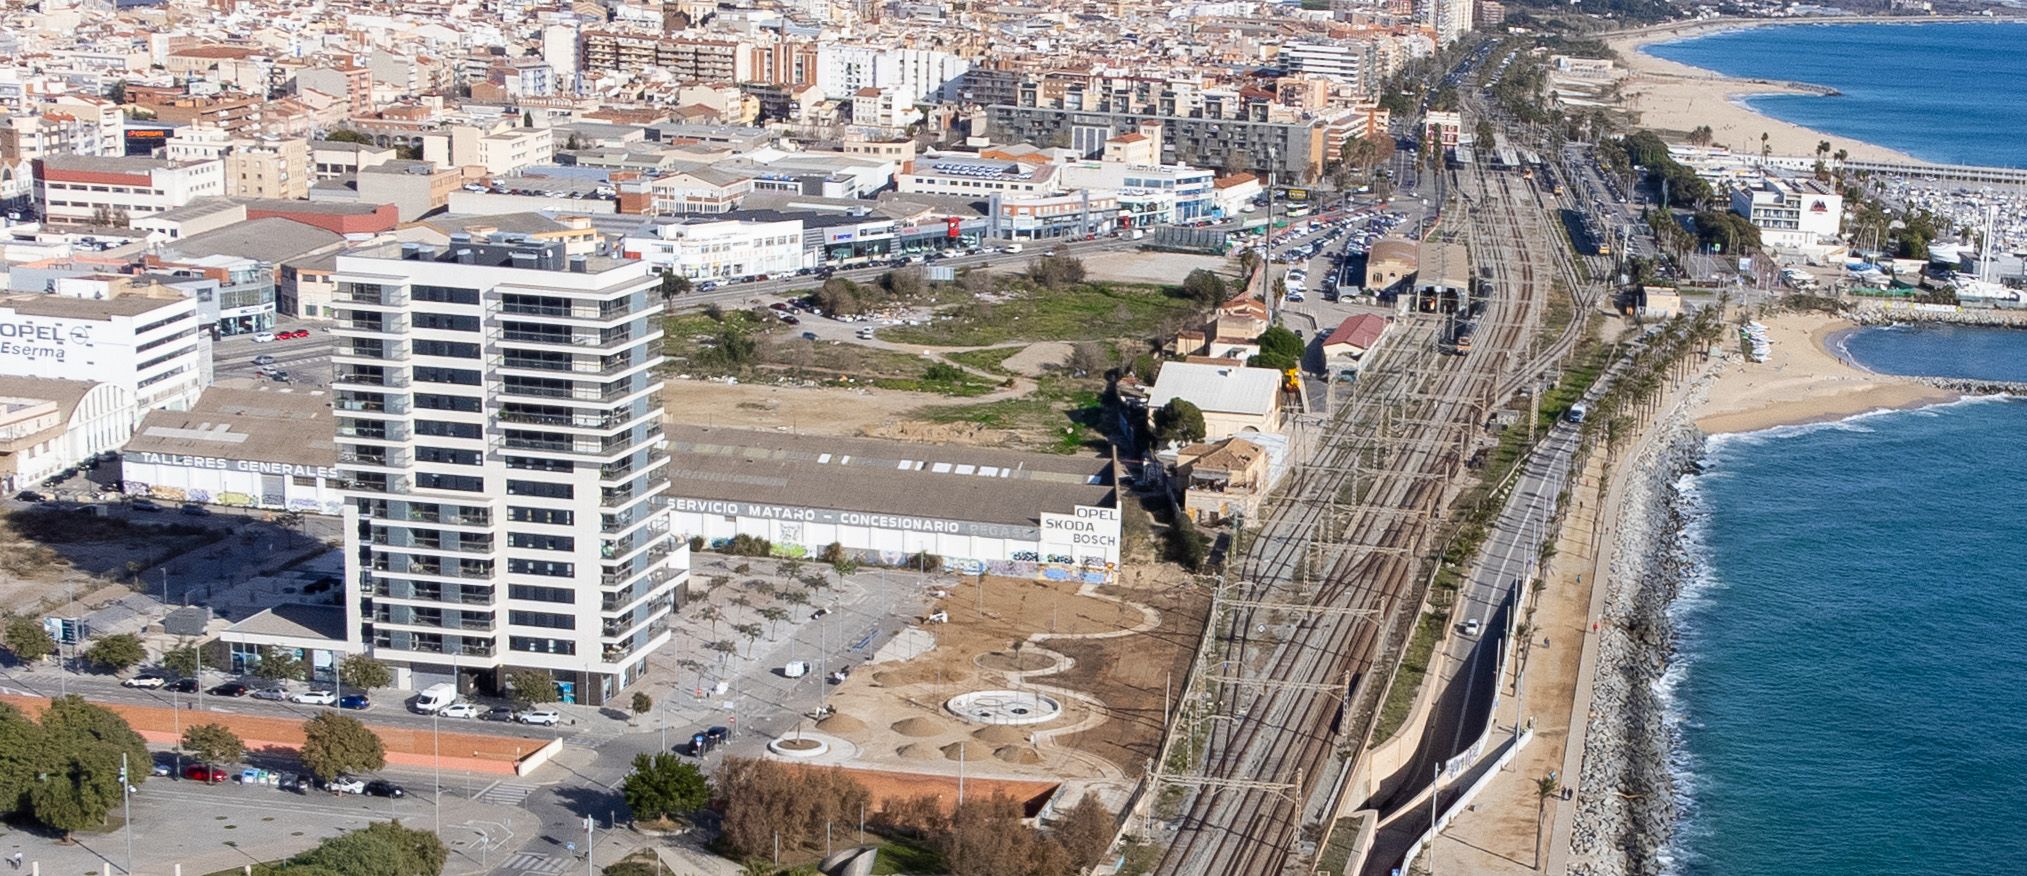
x=1091 y=533
x=55 y=340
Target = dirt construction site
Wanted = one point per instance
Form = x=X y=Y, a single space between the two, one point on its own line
x=1104 y=654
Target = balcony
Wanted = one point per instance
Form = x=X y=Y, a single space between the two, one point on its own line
x=353 y=377
x=396 y=351
x=374 y=457
x=368 y=483
x=371 y=294
x=600 y=368
x=565 y=340
x=370 y=324
x=356 y=403
x=573 y=393
x=623 y=470
x=580 y=310
x=372 y=430
x=574 y=420
x=478 y=517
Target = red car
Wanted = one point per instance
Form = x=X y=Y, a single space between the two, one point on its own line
x=292 y=335
x=204 y=772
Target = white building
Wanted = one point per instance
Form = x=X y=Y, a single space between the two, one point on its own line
x=977 y=509
x=146 y=343
x=500 y=149
x=1190 y=190
x=724 y=249
x=1795 y=214
x=950 y=174
x=89 y=190
x=1343 y=63
x=917 y=75
x=49 y=425
x=244 y=448
x=499 y=429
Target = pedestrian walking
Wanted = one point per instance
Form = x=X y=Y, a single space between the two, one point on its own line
x=15 y=861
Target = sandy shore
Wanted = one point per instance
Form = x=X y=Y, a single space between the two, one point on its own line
x=1677 y=97
x=1803 y=382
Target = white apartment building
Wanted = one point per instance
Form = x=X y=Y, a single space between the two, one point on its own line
x=1451 y=19
x=147 y=343
x=1343 y=63
x=1790 y=213
x=91 y=190
x=501 y=149
x=916 y=75
x=717 y=250
x=499 y=426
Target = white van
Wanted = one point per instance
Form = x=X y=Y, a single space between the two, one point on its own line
x=795 y=669
x=1577 y=413
x=435 y=697
x=1014 y=247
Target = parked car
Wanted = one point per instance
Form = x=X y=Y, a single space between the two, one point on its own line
x=296 y=782
x=498 y=713
x=543 y=717
x=144 y=505
x=263 y=337
x=384 y=788
x=195 y=510
x=204 y=772
x=346 y=785
x=28 y=496
x=270 y=693
x=1471 y=627
x=354 y=701
x=316 y=698
x=145 y=680
x=459 y=710
x=819 y=613
x=263 y=359
x=231 y=689
x=182 y=685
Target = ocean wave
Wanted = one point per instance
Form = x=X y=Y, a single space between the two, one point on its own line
x=1859 y=422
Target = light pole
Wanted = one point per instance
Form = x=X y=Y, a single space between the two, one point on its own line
x=127 y=805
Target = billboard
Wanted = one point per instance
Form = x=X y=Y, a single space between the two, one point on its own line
x=1090 y=534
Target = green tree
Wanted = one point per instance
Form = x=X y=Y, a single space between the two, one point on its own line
x=278 y=665
x=530 y=687
x=1544 y=788
x=664 y=786
x=183 y=660
x=213 y=743
x=381 y=849
x=674 y=284
x=116 y=653
x=345 y=135
x=1179 y=421
x=335 y=744
x=21 y=754
x=28 y=640
x=1085 y=832
x=1054 y=271
x=1280 y=349
x=76 y=788
x=364 y=672
x=642 y=703
x=1204 y=287
x=751 y=632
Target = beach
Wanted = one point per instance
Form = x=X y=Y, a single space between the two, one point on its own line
x=1803 y=381
x=1673 y=97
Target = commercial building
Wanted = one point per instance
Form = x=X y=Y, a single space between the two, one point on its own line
x=47 y=425
x=974 y=177
x=83 y=190
x=245 y=448
x=1794 y=214
x=144 y=340
x=1293 y=150
x=499 y=429
x=722 y=249
x=979 y=509
x=1189 y=192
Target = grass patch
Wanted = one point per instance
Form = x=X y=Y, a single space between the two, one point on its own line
x=1343 y=835
x=1084 y=312
x=991 y=359
x=1408 y=681
x=1062 y=415
x=903 y=856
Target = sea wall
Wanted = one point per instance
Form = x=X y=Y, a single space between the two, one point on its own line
x=1892 y=312
x=1625 y=796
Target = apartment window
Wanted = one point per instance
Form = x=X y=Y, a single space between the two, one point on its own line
x=545 y=568
x=459 y=376
x=446 y=295
x=548 y=516
x=534 y=593
x=541 y=646
x=447 y=322
x=461 y=483
x=447 y=455
x=433 y=402
x=443 y=429
x=528 y=463
x=534 y=541
x=540 y=488
x=453 y=349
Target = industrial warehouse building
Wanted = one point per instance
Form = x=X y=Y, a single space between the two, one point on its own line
x=980 y=509
x=250 y=448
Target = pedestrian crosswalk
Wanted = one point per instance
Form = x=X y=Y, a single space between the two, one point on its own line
x=506 y=793
x=532 y=864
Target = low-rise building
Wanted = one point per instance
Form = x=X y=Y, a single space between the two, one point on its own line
x=1222 y=480
x=722 y=249
x=1347 y=345
x=145 y=340
x=1234 y=400
x=90 y=190
x=246 y=448
x=1390 y=261
x=50 y=424
x=1791 y=213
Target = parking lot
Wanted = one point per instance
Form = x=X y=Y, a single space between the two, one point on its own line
x=297 y=361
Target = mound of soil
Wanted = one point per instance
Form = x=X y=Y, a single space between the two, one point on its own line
x=841 y=724
x=963 y=751
x=1001 y=734
x=1020 y=754
x=918 y=751
x=920 y=726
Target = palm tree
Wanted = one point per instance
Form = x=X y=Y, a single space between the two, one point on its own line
x=1822 y=149
x=1544 y=788
x=774 y=616
x=713 y=614
x=751 y=632
x=725 y=649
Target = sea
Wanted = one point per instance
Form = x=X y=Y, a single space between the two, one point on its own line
x=1847 y=690
x=1948 y=92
